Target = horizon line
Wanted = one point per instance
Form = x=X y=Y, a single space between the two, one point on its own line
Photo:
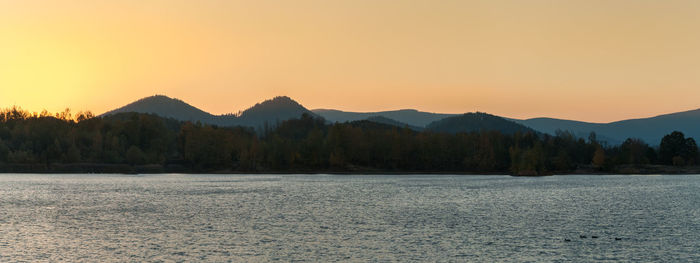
x=359 y=112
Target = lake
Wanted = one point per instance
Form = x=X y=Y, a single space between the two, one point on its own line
x=321 y=218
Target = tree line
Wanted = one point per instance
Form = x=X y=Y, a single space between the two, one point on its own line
x=43 y=141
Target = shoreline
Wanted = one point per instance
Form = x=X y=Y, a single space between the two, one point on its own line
x=179 y=169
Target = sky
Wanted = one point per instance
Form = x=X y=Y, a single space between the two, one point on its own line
x=590 y=60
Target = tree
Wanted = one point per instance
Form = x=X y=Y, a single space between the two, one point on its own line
x=599 y=157
x=66 y=115
x=691 y=151
x=309 y=144
x=593 y=138
x=73 y=154
x=635 y=151
x=4 y=151
x=675 y=149
x=135 y=156
x=81 y=116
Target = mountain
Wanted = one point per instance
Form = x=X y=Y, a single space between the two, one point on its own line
x=408 y=116
x=367 y=124
x=270 y=111
x=577 y=128
x=651 y=130
x=282 y=108
x=475 y=122
x=165 y=107
x=387 y=121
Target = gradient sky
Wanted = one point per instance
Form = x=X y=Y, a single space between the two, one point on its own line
x=592 y=60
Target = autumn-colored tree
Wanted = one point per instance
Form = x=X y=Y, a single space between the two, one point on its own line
x=599 y=157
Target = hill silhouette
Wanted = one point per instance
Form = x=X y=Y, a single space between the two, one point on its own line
x=166 y=107
x=477 y=122
x=268 y=112
x=408 y=116
x=271 y=111
x=387 y=121
x=649 y=130
x=146 y=142
x=283 y=108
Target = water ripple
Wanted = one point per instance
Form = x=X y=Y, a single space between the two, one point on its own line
x=253 y=218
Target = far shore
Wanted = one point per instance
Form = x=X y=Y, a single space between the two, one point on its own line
x=90 y=168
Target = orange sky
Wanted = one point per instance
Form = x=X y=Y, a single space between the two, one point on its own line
x=592 y=60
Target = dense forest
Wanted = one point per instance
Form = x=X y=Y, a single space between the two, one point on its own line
x=134 y=142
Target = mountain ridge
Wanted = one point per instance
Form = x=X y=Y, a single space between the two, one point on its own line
x=411 y=117
x=268 y=112
x=281 y=108
x=649 y=129
x=477 y=122
x=164 y=106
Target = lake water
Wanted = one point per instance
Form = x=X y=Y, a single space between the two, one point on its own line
x=321 y=218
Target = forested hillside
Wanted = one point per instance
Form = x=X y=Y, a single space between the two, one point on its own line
x=129 y=142
x=476 y=122
x=650 y=130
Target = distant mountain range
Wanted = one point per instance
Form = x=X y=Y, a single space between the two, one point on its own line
x=282 y=108
x=271 y=111
x=651 y=130
x=267 y=112
x=477 y=122
x=407 y=116
x=166 y=107
x=391 y=122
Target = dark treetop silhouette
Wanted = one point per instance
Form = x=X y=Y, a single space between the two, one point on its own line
x=140 y=142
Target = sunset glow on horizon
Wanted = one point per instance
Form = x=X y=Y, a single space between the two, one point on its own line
x=596 y=61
